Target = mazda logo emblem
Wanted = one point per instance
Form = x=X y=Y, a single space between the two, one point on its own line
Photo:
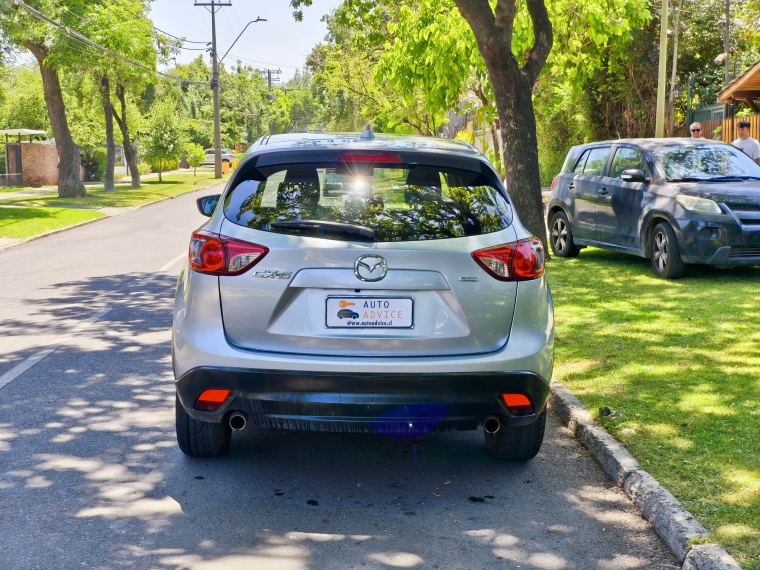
x=370 y=268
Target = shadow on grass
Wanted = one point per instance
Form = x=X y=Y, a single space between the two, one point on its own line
x=680 y=360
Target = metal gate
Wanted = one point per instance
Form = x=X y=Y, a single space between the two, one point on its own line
x=13 y=177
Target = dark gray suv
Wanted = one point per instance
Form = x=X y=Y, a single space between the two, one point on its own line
x=674 y=201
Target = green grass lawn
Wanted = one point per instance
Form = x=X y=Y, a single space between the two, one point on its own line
x=680 y=360
x=124 y=196
x=22 y=223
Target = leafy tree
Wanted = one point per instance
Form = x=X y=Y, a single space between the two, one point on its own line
x=349 y=82
x=244 y=104
x=195 y=156
x=163 y=141
x=23 y=103
x=123 y=27
x=48 y=44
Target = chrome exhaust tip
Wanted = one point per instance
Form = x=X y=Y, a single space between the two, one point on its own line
x=492 y=424
x=238 y=421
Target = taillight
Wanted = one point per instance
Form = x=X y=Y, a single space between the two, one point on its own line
x=213 y=254
x=554 y=183
x=517 y=261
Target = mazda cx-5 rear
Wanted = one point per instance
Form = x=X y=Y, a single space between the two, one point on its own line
x=410 y=301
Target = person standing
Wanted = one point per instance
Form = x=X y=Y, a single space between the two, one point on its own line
x=746 y=143
x=696 y=131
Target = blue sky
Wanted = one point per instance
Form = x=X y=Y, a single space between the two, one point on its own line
x=280 y=42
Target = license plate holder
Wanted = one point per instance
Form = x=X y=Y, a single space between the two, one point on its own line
x=379 y=312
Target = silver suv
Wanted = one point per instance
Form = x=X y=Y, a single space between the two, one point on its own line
x=411 y=301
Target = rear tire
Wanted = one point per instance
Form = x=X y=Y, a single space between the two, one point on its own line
x=665 y=253
x=201 y=439
x=561 y=237
x=517 y=443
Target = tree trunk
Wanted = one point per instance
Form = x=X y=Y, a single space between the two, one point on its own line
x=69 y=158
x=513 y=90
x=105 y=93
x=160 y=169
x=129 y=150
x=514 y=100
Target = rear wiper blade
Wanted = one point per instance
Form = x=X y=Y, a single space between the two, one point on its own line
x=323 y=228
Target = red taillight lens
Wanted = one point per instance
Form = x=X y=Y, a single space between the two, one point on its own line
x=211 y=400
x=518 y=404
x=518 y=261
x=554 y=183
x=218 y=255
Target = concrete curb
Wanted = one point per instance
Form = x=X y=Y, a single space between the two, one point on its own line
x=104 y=217
x=676 y=526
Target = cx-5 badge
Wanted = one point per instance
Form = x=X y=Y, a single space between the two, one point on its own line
x=366 y=265
x=273 y=274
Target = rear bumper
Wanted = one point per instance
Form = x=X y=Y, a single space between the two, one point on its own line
x=402 y=404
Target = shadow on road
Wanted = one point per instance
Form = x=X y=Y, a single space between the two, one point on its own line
x=91 y=476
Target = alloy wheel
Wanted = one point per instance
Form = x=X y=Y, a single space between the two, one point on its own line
x=559 y=235
x=660 y=251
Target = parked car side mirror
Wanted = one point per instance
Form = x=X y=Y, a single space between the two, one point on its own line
x=207 y=204
x=633 y=175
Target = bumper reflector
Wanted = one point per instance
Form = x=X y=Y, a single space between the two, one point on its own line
x=211 y=400
x=518 y=404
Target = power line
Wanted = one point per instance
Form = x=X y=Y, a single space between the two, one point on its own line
x=138 y=17
x=77 y=36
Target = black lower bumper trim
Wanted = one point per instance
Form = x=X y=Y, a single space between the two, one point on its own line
x=384 y=403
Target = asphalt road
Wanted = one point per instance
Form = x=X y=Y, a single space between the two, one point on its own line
x=91 y=476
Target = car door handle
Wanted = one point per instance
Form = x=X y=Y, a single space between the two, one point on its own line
x=603 y=192
x=571 y=186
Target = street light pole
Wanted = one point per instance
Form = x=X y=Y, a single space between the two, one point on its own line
x=214 y=6
x=659 y=129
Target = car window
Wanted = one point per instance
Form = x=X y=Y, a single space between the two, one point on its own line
x=399 y=202
x=703 y=162
x=627 y=159
x=581 y=163
x=570 y=159
x=595 y=161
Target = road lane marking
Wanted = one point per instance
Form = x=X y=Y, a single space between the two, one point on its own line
x=173 y=261
x=38 y=356
x=22 y=367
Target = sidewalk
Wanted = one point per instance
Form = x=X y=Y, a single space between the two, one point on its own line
x=45 y=190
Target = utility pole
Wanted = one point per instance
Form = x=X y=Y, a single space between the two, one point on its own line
x=659 y=129
x=214 y=7
x=267 y=74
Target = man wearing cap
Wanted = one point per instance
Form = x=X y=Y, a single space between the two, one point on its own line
x=746 y=143
x=696 y=131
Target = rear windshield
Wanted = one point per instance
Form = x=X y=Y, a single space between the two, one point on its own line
x=366 y=202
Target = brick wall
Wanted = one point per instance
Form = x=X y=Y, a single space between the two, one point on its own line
x=39 y=164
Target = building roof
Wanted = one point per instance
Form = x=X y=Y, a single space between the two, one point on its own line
x=745 y=88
